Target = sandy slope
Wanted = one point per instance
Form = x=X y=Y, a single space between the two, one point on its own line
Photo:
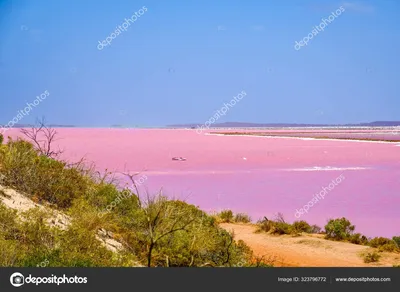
x=306 y=250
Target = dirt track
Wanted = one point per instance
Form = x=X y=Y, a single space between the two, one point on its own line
x=306 y=250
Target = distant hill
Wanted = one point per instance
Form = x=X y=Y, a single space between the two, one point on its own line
x=62 y=126
x=280 y=125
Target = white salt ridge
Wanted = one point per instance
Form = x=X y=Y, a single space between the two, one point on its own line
x=305 y=138
x=327 y=168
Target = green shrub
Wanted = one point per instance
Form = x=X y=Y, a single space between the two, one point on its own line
x=384 y=244
x=265 y=225
x=339 y=229
x=281 y=228
x=226 y=216
x=301 y=226
x=1 y=139
x=389 y=247
x=358 y=238
x=379 y=241
x=241 y=218
x=371 y=257
x=396 y=239
x=172 y=233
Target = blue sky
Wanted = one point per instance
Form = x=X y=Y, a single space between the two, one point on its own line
x=182 y=60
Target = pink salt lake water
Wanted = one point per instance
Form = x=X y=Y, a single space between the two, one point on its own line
x=256 y=175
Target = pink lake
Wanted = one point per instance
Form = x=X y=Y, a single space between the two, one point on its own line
x=256 y=175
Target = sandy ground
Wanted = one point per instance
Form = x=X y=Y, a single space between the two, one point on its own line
x=308 y=250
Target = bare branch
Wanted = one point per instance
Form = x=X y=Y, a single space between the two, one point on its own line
x=43 y=138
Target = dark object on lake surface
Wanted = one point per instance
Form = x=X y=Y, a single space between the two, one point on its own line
x=178 y=158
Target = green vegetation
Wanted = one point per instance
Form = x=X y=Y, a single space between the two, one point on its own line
x=43 y=178
x=371 y=257
x=242 y=218
x=301 y=226
x=227 y=216
x=396 y=239
x=384 y=244
x=342 y=230
x=358 y=238
x=339 y=229
x=279 y=226
x=28 y=241
x=153 y=230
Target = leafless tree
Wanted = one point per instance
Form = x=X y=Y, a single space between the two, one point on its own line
x=279 y=218
x=43 y=138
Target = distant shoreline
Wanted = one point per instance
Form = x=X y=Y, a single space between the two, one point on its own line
x=267 y=135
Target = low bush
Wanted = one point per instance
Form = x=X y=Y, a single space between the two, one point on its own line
x=265 y=225
x=389 y=247
x=379 y=241
x=281 y=228
x=358 y=238
x=371 y=257
x=301 y=226
x=226 y=216
x=241 y=218
x=384 y=244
